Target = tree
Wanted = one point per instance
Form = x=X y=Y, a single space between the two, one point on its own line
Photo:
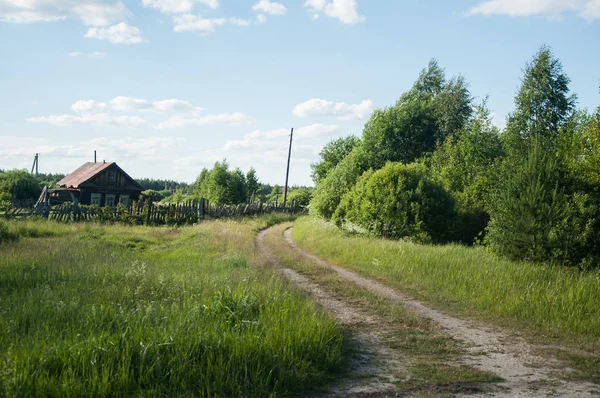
x=300 y=196
x=252 y=184
x=467 y=165
x=275 y=196
x=422 y=118
x=18 y=185
x=543 y=106
x=528 y=205
x=221 y=185
x=236 y=187
x=329 y=192
x=332 y=154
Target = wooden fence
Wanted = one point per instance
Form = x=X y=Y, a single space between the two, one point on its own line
x=149 y=213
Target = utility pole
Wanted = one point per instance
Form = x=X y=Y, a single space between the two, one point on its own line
x=287 y=173
x=35 y=164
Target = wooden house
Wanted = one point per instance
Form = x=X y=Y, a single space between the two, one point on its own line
x=101 y=184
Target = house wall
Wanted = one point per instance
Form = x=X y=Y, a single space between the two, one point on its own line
x=86 y=195
x=109 y=181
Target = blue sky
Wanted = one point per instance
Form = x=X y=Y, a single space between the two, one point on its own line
x=166 y=87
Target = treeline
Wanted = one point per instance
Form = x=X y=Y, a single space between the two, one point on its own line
x=21 y=185
x=434 y=168
x=220 y=185
x=223 y=185
x=162 y=185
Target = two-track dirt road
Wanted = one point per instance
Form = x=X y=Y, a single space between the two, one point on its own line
x=382 y=369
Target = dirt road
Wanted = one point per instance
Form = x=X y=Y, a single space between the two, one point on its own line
x=524 y=374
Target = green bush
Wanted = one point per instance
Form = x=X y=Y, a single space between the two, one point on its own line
x=19 y=185
x=399 y=201
x=329 y=192
x=5 y=233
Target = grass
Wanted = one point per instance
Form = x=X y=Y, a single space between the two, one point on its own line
x=552 y=303
x=88 y=309
x=431 y=356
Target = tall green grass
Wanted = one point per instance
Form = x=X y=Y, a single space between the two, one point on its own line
x=115 y=310
x=558 y=302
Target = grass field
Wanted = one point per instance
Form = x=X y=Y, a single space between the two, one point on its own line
x=554 y=304
x=115 y=310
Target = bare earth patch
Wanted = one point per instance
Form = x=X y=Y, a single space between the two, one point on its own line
x=525 y=373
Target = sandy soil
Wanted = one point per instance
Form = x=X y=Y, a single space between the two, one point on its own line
x=489 y=349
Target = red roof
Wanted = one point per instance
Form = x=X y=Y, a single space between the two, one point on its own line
x=83 y=174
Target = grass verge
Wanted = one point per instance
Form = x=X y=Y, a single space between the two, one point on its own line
x=552 y=303
x=117 y=310
x=430 y=358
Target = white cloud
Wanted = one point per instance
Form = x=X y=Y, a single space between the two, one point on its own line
x=178 y=6
x=175 y=122
x=239 y=22
x=316 y=130
x=89 y=106
x=341 y=110
x=95 y=54
x=270 y=7
x=587 y=9
x=89 y=12
x=133 y=146
x=344 y=10
x=124 y=104
x=120 y=33
x=189 y=22
x=261 y=19
x=271 y=139
x=128 y=104
x=97 y=119
x=175 y=105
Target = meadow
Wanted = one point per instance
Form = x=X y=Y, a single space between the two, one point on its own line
x=94 y=310
x=547 y=301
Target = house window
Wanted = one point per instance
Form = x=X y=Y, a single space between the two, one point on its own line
x=110 y=199
x=96 y=199
x=124 y=199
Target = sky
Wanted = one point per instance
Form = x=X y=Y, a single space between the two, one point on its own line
x=168 y=87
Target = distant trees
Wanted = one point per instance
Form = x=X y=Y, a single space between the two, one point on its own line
x=160 y=185
x=19 y=185
x=221 y=185
x=433 y=167
x=226 y=186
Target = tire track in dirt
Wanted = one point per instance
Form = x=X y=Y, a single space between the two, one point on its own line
x=525 y=374
x=376 y=363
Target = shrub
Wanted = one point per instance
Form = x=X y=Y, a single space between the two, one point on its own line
x=329 y=192
x=5 y=233
x=399 y=201
x=18 y=184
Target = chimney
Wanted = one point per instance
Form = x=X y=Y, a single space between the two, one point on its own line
x=94 y=156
